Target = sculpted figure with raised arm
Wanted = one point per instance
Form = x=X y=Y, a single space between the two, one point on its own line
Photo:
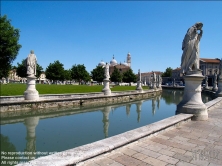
x=190 y=47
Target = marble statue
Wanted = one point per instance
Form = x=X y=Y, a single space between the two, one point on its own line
x=31 y=63
x=190 y=47
x=106 y=71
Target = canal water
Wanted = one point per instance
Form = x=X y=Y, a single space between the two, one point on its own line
x=30 y=137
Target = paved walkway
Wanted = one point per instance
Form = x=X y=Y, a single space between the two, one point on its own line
x=193 y=143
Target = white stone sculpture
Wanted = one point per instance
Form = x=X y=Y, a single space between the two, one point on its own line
x=190 y=47
x=206 y=83
x=139 y=82
x=159 y=81
x=192 y=101
x=106 y=88
x=154 y=80
x=31 y=63
x=106 y=71
x=31 y=93
x=215 y=88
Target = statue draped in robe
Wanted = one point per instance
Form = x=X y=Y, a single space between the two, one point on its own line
x=190 y=47
x=31 y=63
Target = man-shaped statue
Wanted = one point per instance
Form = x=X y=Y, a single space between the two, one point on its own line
x=190 y=47
x=31 y=62
x=106 y=71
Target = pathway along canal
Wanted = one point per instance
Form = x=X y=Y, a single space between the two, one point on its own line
x=35 y=136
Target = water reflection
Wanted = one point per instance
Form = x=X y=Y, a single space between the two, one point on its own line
x=84 y=125
x=105 y=120
x=31 y=124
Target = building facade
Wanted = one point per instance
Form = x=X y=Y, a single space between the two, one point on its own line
x=208 y=66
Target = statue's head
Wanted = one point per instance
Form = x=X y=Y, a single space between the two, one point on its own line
x=199 y=25
x=32 y=52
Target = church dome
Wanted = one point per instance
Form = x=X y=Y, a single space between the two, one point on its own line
x=125 y=64
x=101 y=63
x=113 y=62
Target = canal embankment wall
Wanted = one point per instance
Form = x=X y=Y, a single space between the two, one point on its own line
x=17 y=103
x=85 y=152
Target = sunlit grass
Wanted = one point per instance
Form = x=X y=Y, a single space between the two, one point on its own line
x=18 y=89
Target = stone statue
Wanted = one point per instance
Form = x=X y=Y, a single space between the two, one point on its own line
x=31 y=63
x=206 y=82
x=139 y=75
x=190 y=47
x=154 y=77
x=106 y=71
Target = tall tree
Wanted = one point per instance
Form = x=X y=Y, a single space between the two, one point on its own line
x=55 y=71
x=79 y=73
x=9 y=46
x=168 y=72
x=67 y=74
x=98 y=74
x=116 y=76
x=129 y=76
x=21 y=69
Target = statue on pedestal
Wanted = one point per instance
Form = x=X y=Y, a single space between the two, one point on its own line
x=190 y=47
x=106 y=71
x=31 y=63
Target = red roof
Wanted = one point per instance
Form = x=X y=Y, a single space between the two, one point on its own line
x=210 y=60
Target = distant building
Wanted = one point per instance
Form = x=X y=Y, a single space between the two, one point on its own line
x=122 y=67
x=208 y=67
x=147 y=77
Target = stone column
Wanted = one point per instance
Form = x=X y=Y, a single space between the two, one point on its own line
x=192 y=102
x=31 y=93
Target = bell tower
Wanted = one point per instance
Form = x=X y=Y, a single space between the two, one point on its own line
x=128 y=59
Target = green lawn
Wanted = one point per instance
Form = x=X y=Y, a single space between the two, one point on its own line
x=18 y=89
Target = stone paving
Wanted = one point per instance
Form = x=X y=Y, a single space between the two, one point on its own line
x=193 y=143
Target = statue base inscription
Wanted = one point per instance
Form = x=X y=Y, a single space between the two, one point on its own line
x=106 y=88
x=192 y=102
x=31 y=93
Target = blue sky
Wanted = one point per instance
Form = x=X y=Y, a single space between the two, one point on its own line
x=86 y=32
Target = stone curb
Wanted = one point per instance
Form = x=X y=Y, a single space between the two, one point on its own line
x=82 y=153
x=213 y=103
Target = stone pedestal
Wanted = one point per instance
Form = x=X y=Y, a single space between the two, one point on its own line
x=106 y=88
x=139 y=87
x=219 y=91
x=31 y=93
x=154 y=85
x=215 y=88
x=192 y=102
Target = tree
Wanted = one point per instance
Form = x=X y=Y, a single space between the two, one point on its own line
x=98 y=74
x=55 y=71
x=116 y=76
x=9 y=46
x=168 y=72
x=21 y=69
x=129 y=76
x=79 y=73
x=67 y=74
